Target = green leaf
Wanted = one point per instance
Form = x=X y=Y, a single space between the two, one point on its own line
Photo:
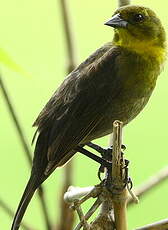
x=7 y=61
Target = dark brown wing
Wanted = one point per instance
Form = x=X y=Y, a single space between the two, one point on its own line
x=57 y=103
x=76 y=107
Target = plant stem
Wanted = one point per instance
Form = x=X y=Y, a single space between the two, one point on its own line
x=66 y=212
x=26 y=148
x=119 y=192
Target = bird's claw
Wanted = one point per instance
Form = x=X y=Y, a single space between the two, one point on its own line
x=127 y=180
x=123 y=147
x=107 y=155
x=100 y=171
x=129 y=183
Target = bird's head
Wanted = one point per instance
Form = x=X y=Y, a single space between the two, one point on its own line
x=135 y=26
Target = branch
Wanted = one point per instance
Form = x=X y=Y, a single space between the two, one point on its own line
x=111 y=192
x=68 y=36
x=104 y=220
x=119 y=197
x=67 y=213
x=151 y=183
x=25 y=146
x=75 y=193
x=16 y=121
x=160 y=225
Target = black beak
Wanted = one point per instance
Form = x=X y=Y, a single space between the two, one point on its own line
x=117 y=22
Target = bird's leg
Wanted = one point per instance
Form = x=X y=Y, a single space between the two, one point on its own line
x=106 y=154
x=99 y=149
x=126 y=180
x=108 y=157
x=94 y=157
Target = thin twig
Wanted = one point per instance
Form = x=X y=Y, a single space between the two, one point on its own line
x=81 y=217
x=26 y=148
x=74 y=193
x=65 y=211
x=104 y=220
x=160 y=225
x=16 y=122
x=90 y=212
x=100 y=192
x=44 y=207
x=151 y=183
x=134 y=198
x=11 y=213
x=68 y=35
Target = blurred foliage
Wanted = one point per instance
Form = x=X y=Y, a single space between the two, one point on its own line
x=6 y=60
x=31 y=32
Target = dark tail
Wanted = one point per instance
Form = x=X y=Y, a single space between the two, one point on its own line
x=31 y=187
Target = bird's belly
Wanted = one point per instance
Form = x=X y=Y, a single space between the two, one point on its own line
x=123 y=111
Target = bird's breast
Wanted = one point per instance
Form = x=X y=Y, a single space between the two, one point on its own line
x=136 y=79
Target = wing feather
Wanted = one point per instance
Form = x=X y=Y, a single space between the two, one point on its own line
x=78 y=105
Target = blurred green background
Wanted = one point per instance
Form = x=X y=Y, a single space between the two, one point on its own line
x=32 y=33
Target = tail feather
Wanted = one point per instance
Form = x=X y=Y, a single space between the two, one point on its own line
x=30 y=189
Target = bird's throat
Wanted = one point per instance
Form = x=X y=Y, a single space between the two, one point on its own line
x=143 y=47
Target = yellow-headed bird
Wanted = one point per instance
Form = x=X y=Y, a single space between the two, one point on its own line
x=115 y=82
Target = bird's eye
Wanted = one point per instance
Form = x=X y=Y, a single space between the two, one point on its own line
x=138 y=17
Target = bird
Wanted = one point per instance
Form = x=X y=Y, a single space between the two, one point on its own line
x=113 y=83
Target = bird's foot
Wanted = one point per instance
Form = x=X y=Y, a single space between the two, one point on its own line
x=106 y=154
x=98 y=148
x=127 y=180
x=105 y=161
